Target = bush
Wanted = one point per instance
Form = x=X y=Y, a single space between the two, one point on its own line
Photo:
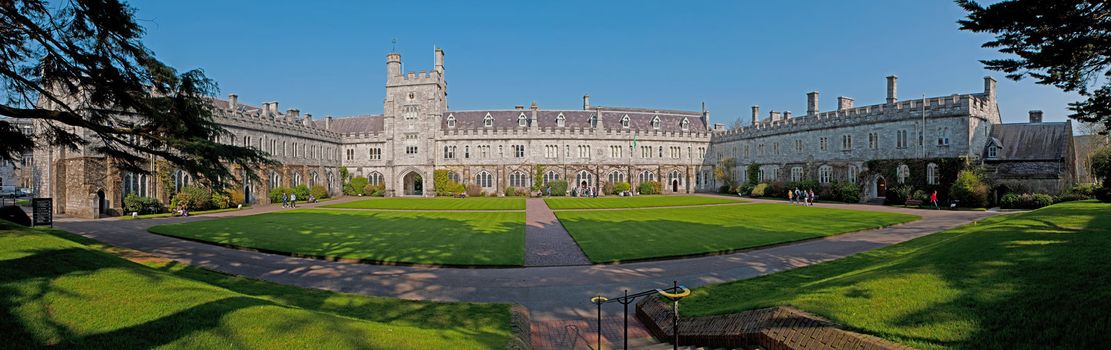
x=776 y=189
x=510 y=191
x=474 y=190
x=759 y=190
x=237 y=197
x=302 y=192
x=373 y=190
x=1087 y=190
x=1025 y=201
x=275 y=194
x=143 y=205
x=220 y=201
x=193 y=198
x=1069 y=197
x=1103 y=193
x=358 y=183
x=319 y=191
x=559 y=187
x=723 y=189
x=847 y=192
x=970 y=190
x=445 y=186
x=649 y=187
x=609 y=188
x=622 y=187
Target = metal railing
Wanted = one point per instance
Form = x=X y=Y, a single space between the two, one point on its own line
x=674 y=293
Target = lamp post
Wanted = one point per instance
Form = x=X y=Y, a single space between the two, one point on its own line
x=680 y=292
x=598 y=301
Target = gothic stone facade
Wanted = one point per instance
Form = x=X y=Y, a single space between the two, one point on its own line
x=495 y=149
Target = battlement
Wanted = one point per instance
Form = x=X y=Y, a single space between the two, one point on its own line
x=572 y=132
x=974 y=105
x=418 y=77
x=268 y=118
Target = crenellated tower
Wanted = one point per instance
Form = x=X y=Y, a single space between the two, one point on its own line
x=414 y=104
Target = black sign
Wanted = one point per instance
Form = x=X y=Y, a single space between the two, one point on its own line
x=43 y=211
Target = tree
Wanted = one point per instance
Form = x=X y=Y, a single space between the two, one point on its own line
x=724 y=171
x=1065 y=44
x=80 y=63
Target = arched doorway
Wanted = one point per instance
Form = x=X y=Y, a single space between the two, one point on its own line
x=880 y=187
x=674 y=185
x=414 y=184
x=101 y=203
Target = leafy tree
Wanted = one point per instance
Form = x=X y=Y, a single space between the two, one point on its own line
x=723 y=171
x=753 y=173
x=80 y=66
x=1065 y=44
x=538 y=177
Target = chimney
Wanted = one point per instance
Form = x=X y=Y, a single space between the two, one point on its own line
x=274 y=108
x=233 y=101
x=786 y=115
x=393 y=64
x=328 y=123
x=519 y=107
x=812 y=103
x=1035 y=116
x=891 y=99
x=308 y=120
x=440 y=60
x=844 y=103
x=774 y=116
x=755 y=115
x=533 y=106
x=989 y=88
x=265 y=108
x=586 y=102
x=292 y=113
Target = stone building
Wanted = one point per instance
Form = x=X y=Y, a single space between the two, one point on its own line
x=1035 y=157
x=418 y=133
x=18 y=172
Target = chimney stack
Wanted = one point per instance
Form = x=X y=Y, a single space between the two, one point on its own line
x=292 y=113
x=844 y=103
x=786 y=115
x=891 y=99
x=519 y=107
x=812 y=103
x=755 y=115
x=233 y=102
x=989 y=88
x=586 y=102
x=328 y=123
x=1035 y=116
x=440 y=60
x=533 y=106
x=774 y=116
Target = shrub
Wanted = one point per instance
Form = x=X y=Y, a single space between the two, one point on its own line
x=759 y=190
x=143 y=205
x=622 y=187
x=847 y=192
x=1087 y=190
x=649 y=187
x=970 y=190
x=1025 y=201
x=809 y=185
x=373 y=190
x=609 y=188
x=275 y=194
x=559 y=187
x=237 y=197
x=510 y=191
x=723 y=189
x=220 y=201
x=745 y=189
x=302 y=192
x=776 y=189
x=445 y=186
x=1103 y=193
x=193 y=198
x=1068 y=197
x=319 y=191
x=358 y=183
x=474 y=190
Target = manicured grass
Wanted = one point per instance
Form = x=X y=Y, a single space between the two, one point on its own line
x=495 y=238
x=60 y=290
x=1029 y=280
x=192 y=213
x=622 y=235
x=472 y=203
x=633 y=202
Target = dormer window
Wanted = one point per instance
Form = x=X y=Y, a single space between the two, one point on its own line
x=488 y=121
x=450 y=120
x=993 y=152
x=561 y=121
x=522 y=121
x=656 y=122
x=685 y=124
x=625 y=121
x=593 y=120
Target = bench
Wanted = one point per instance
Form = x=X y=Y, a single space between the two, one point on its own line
x=913 y=202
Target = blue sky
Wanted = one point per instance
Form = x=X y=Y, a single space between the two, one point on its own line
x=328 y=58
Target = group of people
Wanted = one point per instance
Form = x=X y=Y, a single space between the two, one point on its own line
x=802 y=197
x=583 y=191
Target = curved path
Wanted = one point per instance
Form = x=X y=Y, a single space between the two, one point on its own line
x=556 y=295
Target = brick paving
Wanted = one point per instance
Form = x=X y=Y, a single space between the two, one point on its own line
x=553 y=294
x=547 y=243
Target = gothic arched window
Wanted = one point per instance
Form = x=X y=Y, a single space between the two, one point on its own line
x=451 y=121
x=561 y=121
x=625 y=121
x=522 y=121
x=685 y=124
x=656 y=122
x=488 y=121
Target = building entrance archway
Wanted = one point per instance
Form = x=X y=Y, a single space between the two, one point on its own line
x=879 y=187
x=414 y=184
x=101 y=203
x=674 y=185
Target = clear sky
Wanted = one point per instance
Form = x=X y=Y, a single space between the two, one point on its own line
x=328 y=58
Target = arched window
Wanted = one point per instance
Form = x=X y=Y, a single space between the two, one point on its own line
x=616 y=176
x=522 y=121
x=313 y=178
x=132 y=183
x=181 y=179
x=625 y=121
x=454 y=176
x=685 y=124
x=903 y=172
x=852 y=174
x=375 y=178
x=518 y=179
x=275 y=179
x=825 y=174
x=583 y=178
x=488 y=121
x=561 y=121
x=296 y=180
x=646 y=176
x=796 y=174
x=550 y=176
x=450 y=120
x=483 y=179
x=593 y=120
x=674 y=176
x=931 y=174
x=656 y=122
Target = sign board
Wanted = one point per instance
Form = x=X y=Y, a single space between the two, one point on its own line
x=43 y=211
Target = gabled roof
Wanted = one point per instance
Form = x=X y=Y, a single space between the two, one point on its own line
x=1032 y=141
x=369 y=124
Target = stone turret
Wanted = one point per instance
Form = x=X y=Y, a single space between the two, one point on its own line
x=393 y=64
x=989 y=88
x=891 y=98
x=439 y=60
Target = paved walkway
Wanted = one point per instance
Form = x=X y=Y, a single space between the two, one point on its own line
x=554 y=295
x=547 y=243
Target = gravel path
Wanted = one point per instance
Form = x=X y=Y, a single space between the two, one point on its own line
x=547 y=243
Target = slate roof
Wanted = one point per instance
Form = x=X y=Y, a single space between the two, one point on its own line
x=639 y=119
x=1032 y=141
x=368 y=124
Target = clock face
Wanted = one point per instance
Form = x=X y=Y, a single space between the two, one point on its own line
x=412 y=96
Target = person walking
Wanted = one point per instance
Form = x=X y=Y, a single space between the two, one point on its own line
x=813 y=197
x=285 y=200
x=809 y=198
x=790 y=196
x=292 y=200
x=933 y=199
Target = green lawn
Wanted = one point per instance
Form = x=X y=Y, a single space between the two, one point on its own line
x=623 y=235
x=1032 y=280
x=166 y=215
x=439 y=203
x=60 y=290
x=633 y=202
x=461 y=238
